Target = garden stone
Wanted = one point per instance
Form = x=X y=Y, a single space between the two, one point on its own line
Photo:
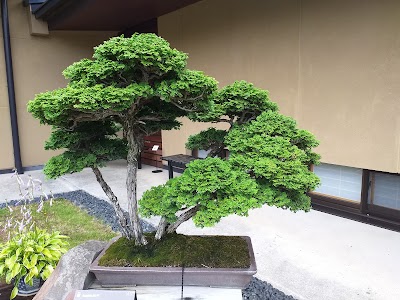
x=72 y=272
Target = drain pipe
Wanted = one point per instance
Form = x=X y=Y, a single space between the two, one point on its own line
x=10 y=86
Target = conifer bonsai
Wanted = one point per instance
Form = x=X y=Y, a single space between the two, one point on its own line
x=269 y=160
x=139 y=85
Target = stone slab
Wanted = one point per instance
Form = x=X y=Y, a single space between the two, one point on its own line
x=166 y=293
x=72 y=272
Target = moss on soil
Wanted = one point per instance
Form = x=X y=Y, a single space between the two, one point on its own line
x=176 y=250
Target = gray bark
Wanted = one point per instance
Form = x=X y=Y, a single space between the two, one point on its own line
x=123 y=222
x=186 y=215
x=134 y=145
x=161 y=229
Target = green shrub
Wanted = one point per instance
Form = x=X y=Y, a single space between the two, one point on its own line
x=34 y=253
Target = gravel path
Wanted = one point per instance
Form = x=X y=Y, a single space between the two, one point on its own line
x=256 y=290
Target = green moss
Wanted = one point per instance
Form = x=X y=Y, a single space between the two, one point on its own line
x=175 y=250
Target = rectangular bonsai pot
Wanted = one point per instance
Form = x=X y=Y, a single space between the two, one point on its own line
x=213 y=277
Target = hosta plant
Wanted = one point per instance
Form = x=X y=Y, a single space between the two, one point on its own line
x=32 y=254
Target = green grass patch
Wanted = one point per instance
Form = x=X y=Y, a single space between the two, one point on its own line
x=176 y=250
x=67 y=218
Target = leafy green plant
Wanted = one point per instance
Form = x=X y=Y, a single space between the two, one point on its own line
x=30 y=254
x=139 y=85
x=269 y=160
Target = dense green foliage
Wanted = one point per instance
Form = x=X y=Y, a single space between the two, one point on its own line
x=268 y=163
x=88 y=144
x=138 y=82
x=278 y=156
x=176 y=250
x=212 y=183
x=34 y=253
x=211 y=138
x=238 y=102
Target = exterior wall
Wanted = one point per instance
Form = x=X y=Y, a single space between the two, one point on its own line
x=332 y=65
x=38 y=62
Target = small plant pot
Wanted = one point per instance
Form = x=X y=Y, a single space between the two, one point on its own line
x=25 y=289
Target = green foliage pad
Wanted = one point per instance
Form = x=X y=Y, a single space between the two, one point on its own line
x=269 y=162
x=137 y=84
x=176 y=250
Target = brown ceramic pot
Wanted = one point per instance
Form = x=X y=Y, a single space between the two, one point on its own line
x=213 y=277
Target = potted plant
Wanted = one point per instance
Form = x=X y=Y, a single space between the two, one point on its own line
x=140 y=85
x=29 y=257
x=30 y=254
x=268 y=164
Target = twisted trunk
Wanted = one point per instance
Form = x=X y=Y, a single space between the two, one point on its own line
x=164 y=227
x=134 y=145
x=186 y=215
x=123 y=222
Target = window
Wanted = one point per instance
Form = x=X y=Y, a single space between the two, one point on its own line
x=384 y=190
x=339 y=181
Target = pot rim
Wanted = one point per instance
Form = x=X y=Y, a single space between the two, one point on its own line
x=250 y=270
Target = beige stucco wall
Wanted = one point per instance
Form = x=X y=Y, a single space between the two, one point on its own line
x=333 y=65
x=38 y=62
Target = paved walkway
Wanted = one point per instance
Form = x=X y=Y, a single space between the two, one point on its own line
x=308 y=255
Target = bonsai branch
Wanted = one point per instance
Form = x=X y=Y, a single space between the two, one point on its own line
x=186 y=215
x=229 y=121
x=91 y=116
x=183 y=108
x=190 y=99
x=123 y=222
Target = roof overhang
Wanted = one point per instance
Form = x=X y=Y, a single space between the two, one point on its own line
x=104 y=15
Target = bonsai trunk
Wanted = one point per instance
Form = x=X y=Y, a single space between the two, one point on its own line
x=131 y=182
x=164 y=227
x=123 y=222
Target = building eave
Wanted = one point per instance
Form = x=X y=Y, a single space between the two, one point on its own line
x=102 y=15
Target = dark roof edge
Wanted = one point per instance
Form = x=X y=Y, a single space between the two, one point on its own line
x=49 y=8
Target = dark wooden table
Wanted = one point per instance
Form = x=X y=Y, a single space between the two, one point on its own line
x=178 y=161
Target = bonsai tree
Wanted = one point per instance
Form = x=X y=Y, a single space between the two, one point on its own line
x=139 y=85
x=269 y=160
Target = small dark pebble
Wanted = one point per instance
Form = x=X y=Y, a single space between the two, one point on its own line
x=256 y=290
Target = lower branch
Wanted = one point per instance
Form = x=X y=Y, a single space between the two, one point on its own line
x=183 y=218
x=123 y=222
x=216 y=151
